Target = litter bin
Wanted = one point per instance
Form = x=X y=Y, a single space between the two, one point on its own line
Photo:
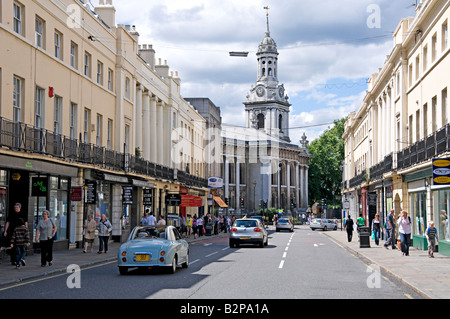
x=208 y=229
x=364 y=237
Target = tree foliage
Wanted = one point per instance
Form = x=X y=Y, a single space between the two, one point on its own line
x=325 y=174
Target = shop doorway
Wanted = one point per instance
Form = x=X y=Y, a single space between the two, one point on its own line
x=19 y=193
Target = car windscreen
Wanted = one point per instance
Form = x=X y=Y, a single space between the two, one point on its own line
x=283 y=220
x=245 y=223
x=150 y=233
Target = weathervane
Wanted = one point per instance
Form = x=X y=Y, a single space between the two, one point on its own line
x=267 y=15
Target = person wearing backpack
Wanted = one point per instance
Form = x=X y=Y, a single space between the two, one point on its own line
x=404 y=229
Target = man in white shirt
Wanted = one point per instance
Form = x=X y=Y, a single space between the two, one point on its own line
x=151 y=220
x=161 y=220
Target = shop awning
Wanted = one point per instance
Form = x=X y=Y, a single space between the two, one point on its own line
x=219 y=201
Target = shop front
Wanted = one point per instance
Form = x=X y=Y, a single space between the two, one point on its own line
x=441 y=210
x=37 y=186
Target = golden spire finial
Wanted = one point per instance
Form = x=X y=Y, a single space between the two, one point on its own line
x=267 y=15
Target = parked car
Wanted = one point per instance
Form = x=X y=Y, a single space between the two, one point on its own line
x=323 y=223
x=248 y=231
x=285 y=223
x=153 y=246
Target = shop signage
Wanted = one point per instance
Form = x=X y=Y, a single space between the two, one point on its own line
x=127 y=195
x=148 y=197
x=191 y=201
x=39 y=186
x=91 y=192
x=173 y=199
x=441 y=171
x=76 y=193
x=215 y=182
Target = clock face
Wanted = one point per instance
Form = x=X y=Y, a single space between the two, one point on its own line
x=260 y=91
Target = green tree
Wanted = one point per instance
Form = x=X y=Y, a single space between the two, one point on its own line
x=325 y=175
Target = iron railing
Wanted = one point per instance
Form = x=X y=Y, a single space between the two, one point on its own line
x=26 y=138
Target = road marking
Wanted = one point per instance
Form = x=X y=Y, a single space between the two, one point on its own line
x=211 y=254
x=281 y=264
x=226 y=248
x=207 y=244
x=284 y=255
x=193 y=262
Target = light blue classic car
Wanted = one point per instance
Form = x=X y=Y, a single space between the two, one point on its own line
x=153 y=246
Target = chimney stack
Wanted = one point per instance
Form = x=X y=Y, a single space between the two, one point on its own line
x=106 y=12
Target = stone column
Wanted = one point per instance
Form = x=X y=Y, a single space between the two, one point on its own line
x=138 y=106
x=153 y=131
x=160 y=133
x=146 y=126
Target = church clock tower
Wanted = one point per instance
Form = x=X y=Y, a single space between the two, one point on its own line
x=267 y=107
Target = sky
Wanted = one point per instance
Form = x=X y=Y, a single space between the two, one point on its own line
x=327 y=50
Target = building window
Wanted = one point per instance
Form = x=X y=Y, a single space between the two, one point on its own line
x=87 y=64
x=110 y=79
x=57 y=123
x=73 y=55
x=443 y=210
x=58 y=44
x=433 y=114
x=444 y=108
x=98 y=136
x=86 y=124
x=39 y=32
x=127 y=87
x=73 y=120
x=261 y=120
x=39 y=107
x=434 y=48
x=109 y=137
x=17 y=100
x=425 y=58
x=445 y=36
x=18 y=16
x=99 y=73
x=418 y=214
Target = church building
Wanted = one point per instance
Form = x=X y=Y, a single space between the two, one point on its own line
x=261 y=168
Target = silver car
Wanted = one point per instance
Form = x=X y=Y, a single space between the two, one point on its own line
x=248 y=231
x=285 y=223
x=323 y=223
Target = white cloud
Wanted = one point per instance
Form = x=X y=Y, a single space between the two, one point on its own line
x=318 y=41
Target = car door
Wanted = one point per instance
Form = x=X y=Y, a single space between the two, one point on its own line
x=181 y=246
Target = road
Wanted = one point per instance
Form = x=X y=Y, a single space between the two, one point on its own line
x=299 y=265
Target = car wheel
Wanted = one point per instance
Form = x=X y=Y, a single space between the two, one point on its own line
x=267 y=241
x=173 y=267
x=186 y=263
x=312 y=229
x=325 y=228
x=232 y=244
x=261 y=244
x=123 y=270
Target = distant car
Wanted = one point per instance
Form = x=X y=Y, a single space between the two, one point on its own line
x=248 y=231
x=285 y=223
x=323 y=223
x=261 y=219
x=153 y=246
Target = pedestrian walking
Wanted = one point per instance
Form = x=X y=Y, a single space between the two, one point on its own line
x=194 y=226
x=360 y=221
x=349 y=228
x=45 y=234
x=11 y=223
x=432 y=238
x=104 y=228
x=151 y=220
x=376 y=228
x=390 y=231
x=404 y=229
x=144 y=220
x=19 y=241
x=189 y=225
x=161 y=220
x=89 y=233
x=200 y=226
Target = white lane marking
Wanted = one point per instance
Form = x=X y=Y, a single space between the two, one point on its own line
x=211 y=254
x=281 y=264
x=284 y=255
x=193 y=262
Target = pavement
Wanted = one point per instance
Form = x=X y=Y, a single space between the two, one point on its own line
x=429 y=277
